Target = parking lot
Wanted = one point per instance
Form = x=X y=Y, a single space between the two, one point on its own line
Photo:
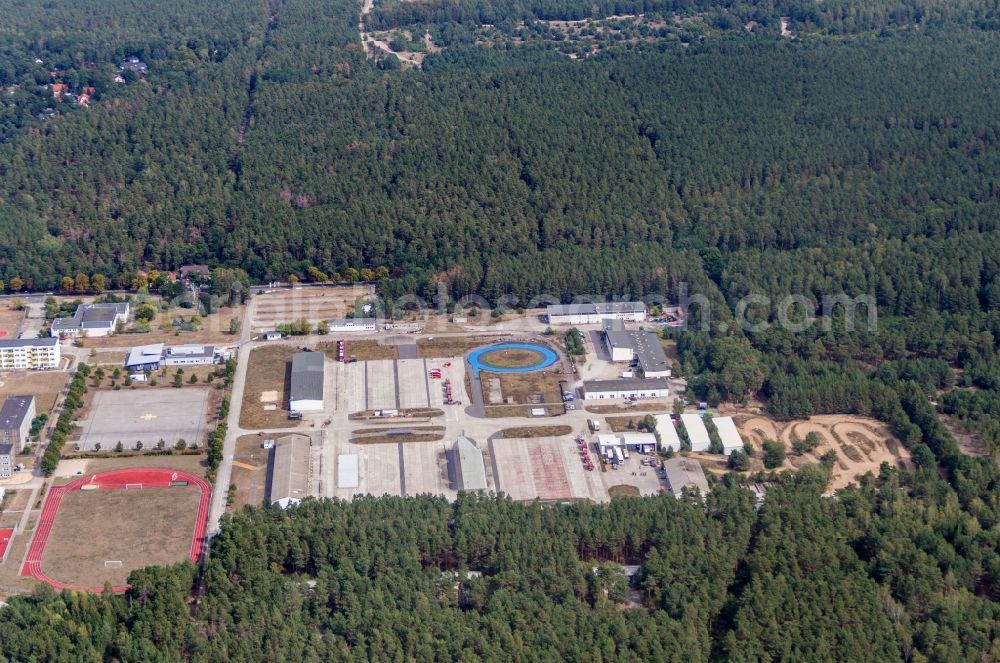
x=146 y=416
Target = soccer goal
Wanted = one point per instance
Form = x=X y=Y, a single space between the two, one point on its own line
x=112 y=563
x=133 y=486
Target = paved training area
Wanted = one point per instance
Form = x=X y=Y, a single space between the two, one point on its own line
x=146 y=416
x=381 y=382
x=394 y=384
x=548 y=468
x=157 y=482
x=546 y=358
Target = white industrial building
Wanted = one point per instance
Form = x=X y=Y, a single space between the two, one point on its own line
x=618 y=340
x=696 y=431
x=641 y=347
x=731 y=440
x=151 y=357
x=189 y=355
x=625 y=388
x=591 y=314
x=92 y=320
x=669 y=439
x=29 y=353
x=353 y=325
x=642 y=442
x=308 y=377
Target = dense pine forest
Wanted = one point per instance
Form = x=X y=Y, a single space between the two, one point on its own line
x=766 y=147
x=904 y=568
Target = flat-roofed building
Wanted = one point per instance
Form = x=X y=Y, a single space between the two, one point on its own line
x=696 y=431
x=308 y=377
x=189 y=355
x=684 y=473
x=470 y=471
x=92 y=320
x=731 y=440
x=588 y=314
x=625 y=388
x=15 y=421
x=290 y=471
x=353 y=325
x=29 y=354
x=644 y=442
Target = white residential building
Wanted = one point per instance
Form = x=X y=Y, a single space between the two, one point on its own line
x=6 y=462
x=15 y=421
x=29 y=353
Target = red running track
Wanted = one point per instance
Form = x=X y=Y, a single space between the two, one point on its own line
x=149 y=477
x=5 y=536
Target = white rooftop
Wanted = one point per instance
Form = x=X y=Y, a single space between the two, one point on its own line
x=669 y=439
x=639 y=438
x=697 y=433
x=730 y=436
x=144 y=354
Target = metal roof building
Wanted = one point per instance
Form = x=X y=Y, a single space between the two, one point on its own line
x=308 y=376
x=731 y=440
x=470 y=472
x=650 y=355
x=684 y=473
x=290 y=472
x=697 y=433
x=669 y=439
x=640 y=346
x=143 y=357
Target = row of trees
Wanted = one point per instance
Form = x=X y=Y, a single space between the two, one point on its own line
x=64 y=424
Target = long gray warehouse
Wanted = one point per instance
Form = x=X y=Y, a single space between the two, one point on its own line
x=308 y=376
